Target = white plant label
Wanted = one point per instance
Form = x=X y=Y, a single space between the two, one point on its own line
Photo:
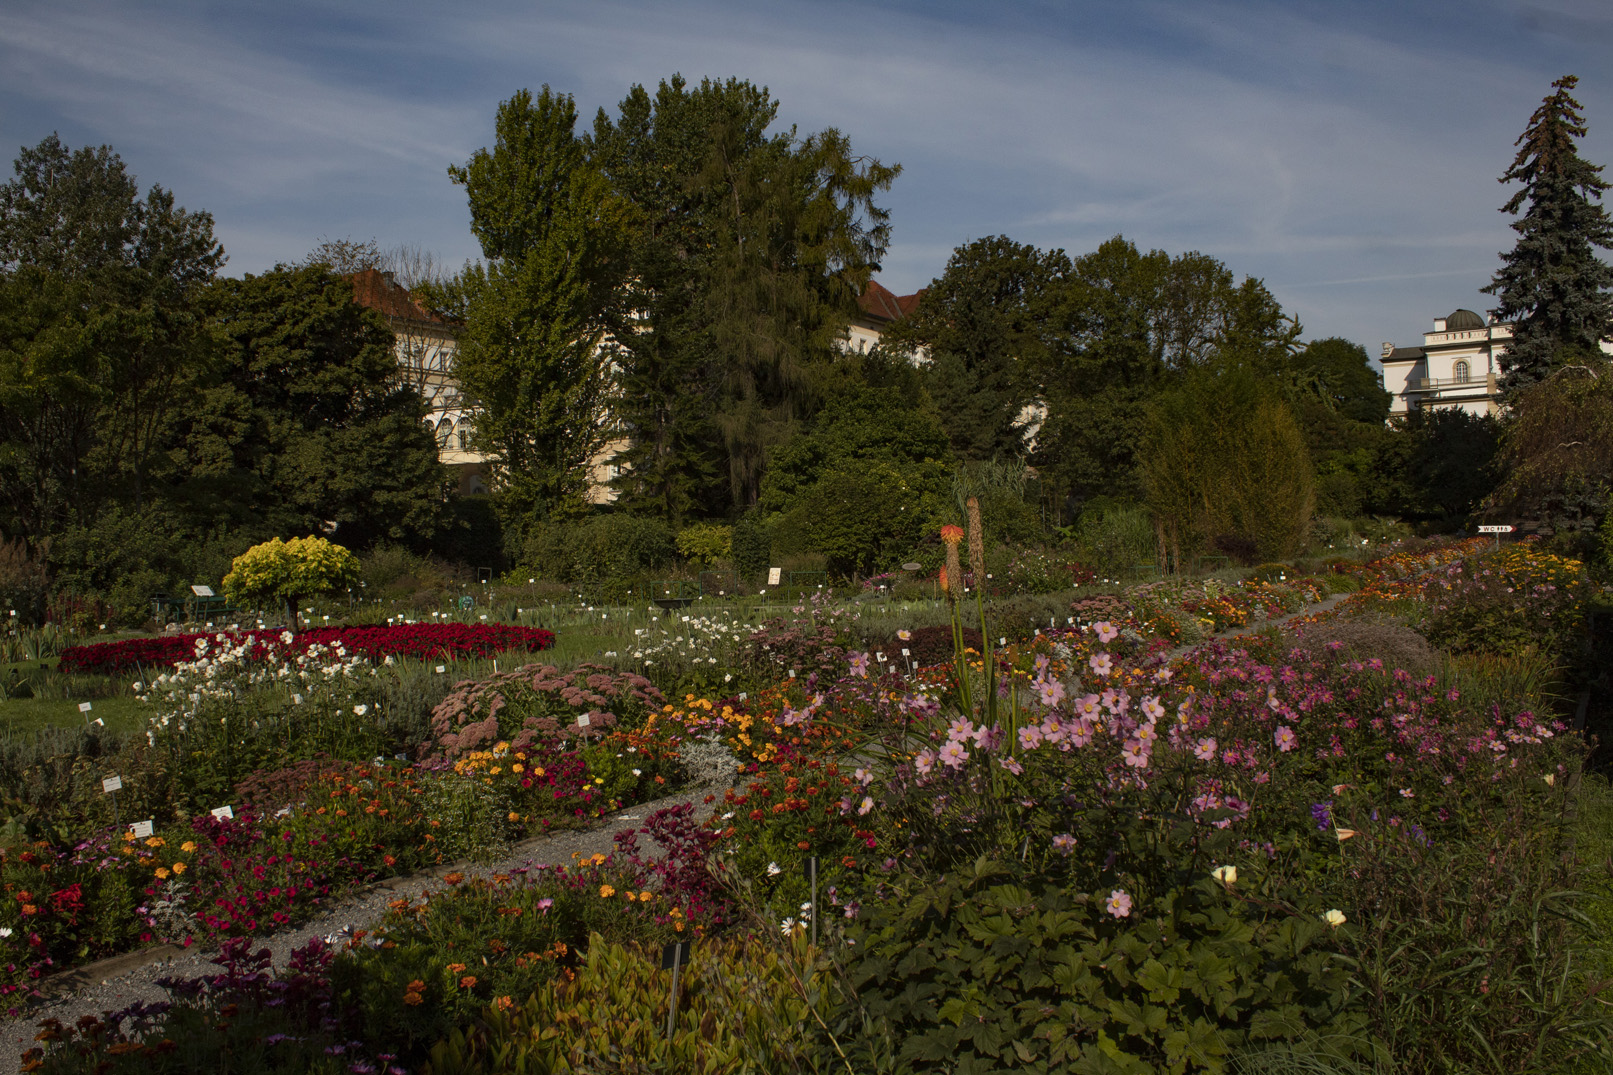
x=775 y=575
x=224 y=813
x=904 y=653
x=84 y=707
x=111 y=784
x=582 y=721
x=141 y=829
x=283 y=811
x=441 y=668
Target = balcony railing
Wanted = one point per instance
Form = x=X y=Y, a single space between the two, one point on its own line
x=1439 y=384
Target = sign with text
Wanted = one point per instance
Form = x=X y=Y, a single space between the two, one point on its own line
x=1502 y=529
x=775 y=575
x=84 y=707
x=224 y=813
x=111 y=784
x=141 y=829
x=202 y=591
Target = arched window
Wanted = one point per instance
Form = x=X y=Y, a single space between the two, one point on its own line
x=1462 y=371
x=444 y=428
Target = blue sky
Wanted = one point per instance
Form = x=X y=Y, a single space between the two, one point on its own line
x=1346 y=153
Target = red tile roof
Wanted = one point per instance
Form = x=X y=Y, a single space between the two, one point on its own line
x=378 y=291
x=880 y=304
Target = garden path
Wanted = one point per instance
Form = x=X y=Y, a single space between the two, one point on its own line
x=116 y=983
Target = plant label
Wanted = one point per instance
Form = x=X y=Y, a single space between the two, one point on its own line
x=904 y=653
x=441 y=668
x=99 y=721
x=283 y=811
x=582 y=721
x=224 y=813
x=84 y=707
x=141 y=829
x=792 y=673
x=111 y=784
x=743 y=696
x=775 y=575
x=202 y=591
x=1503 y=529
x=674 y=955
x=296 y=699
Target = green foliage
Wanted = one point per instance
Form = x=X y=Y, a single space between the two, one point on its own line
x=23 y=585
x=706 y=543
x=977 y=324
x=553 y=234
x=1552 y=285
x=1438 y=465
x=991 y=968
x=308 y=423
x=602 y=547
x=751 y=546
x=1225 y=458
x=1556 y=451
x=1115 y=535
x=742 y=275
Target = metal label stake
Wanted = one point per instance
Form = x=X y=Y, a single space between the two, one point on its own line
x=672 y=957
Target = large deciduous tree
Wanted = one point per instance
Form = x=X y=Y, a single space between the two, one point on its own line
x=103 y=335
x=553 y=234
x=309 y=425
x=979 y=324
x=1552 y=285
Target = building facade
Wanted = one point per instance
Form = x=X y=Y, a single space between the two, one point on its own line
x=1456 y=368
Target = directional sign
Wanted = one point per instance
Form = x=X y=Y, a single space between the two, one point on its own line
x=1503 y=529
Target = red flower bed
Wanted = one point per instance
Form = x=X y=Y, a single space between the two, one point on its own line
x=417 y=640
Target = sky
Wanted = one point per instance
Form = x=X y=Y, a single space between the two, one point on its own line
x=1346 y=153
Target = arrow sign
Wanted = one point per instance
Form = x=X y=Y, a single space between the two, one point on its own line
x=1502 y=529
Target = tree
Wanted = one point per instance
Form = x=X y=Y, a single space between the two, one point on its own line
x=1125 y=326
x=1556 y=452
x=308 y=426
x=745 y=266
x=979 y=324
x=1224 y=462
x=127 y=271
x=286 y=572
x=1552 y=285
x=529 y=357
x=1437 y=466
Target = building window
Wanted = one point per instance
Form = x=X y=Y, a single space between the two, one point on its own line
x=1462 y=371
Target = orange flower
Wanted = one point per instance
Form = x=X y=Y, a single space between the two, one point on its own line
x=455 y=968
x=453 y=878
x=943 y=578
x=468 y=982
x=179 y=867
x=413 y=999
x=504 y=1004
x=952 y=535
x=607 y=891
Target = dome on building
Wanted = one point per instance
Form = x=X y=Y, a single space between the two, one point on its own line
x=1463 y=319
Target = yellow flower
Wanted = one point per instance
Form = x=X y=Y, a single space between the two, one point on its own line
x=162 y=873
x=179 y=867
x=188 y=846
x=517 y=768
x=606 y=891
x=646 y=896
x=514 y=816
x=154 y=841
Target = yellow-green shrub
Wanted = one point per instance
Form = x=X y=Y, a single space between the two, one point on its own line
x=286 y=571
x=742 y=1007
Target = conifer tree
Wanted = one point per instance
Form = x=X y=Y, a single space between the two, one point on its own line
x=1552 y=285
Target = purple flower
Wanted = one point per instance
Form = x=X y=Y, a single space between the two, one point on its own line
x=1323 y=813
x=1118 y=903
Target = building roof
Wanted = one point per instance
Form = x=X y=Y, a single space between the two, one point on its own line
x=881 y=304
x=1463 y=319
x=379 y=291
x=1403 y=354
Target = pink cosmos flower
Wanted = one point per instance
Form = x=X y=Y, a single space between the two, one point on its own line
x=1285 y=738
x=1011 y=764
x=1204 y=750
x=924 y=761
x=953 y=755
x=1030 y=737
x=1118 y=903
x=1135 y=753
x=1064 y=843
x=1101 y=664
x=1106 y=631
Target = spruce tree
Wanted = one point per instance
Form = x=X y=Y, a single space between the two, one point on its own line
x=1552 y=285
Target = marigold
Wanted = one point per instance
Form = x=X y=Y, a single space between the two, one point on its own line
x=455 y=968
x=607 y=891
x=179 y=867
x=453 y=878
x=468 y=982
x=188 y=846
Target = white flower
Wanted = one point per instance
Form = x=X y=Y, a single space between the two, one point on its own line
x=773 y=869
x=1227 y=875
x=638 y=772
x=787 y=926
x=1334 y=918
x=360 y=710
x=5 y=931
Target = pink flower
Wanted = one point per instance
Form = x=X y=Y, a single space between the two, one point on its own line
x=859 y=665
x=1135 y=753
x=1118 y=903
x=1011 y=764
x=1101 y=664
x=1030 y=737
x=953 y=755
x=1285 y=738
x=1106 y=631
x=924 y=761
x=1064 y=843
x=1204 y=750
x=865 y=806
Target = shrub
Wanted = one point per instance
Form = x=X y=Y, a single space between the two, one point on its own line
x=600 y=548
x=286 y=572
x=706 y=543
x=539 y=702
x=23 y=585
x=751 y=547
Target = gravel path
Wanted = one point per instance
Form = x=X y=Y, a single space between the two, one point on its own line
x=126 y=979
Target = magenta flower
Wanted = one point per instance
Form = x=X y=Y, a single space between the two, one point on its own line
x=1064 y=843
x=1285 y=738
x=859 y=665
x=1118 y=903
x=1101 y=664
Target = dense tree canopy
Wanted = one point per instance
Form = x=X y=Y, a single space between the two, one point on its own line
x=1552 y=285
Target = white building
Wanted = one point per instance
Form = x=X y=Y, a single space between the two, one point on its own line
x=1456 y=368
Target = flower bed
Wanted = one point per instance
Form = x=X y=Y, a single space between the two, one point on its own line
x=416 y=640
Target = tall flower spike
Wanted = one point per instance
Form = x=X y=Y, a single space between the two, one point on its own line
x=977 y=542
